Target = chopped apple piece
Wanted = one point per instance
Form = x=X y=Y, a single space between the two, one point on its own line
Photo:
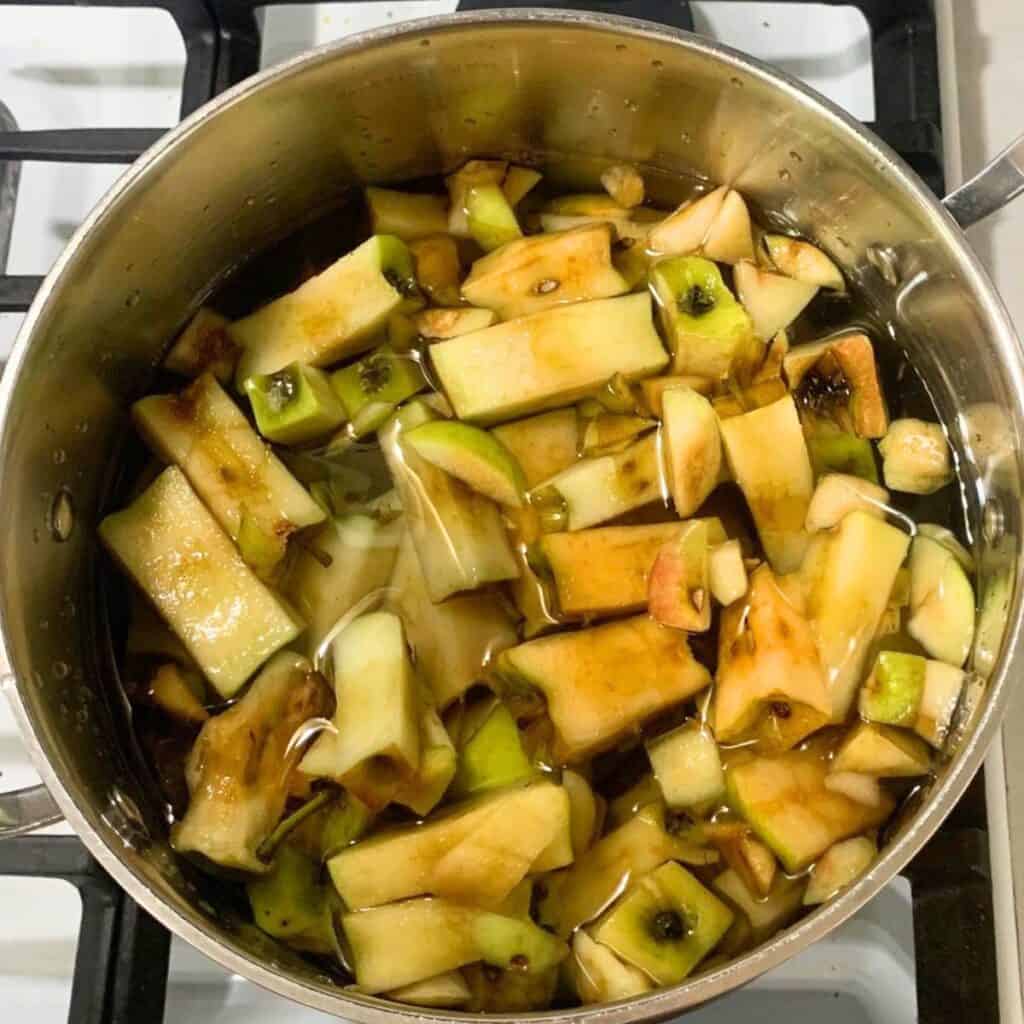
x=768 y=458
x=242 y=764
x=948 y=540
x=785 y=801
x=587 y=204
x=802 y=261
x=773 y=302
x=665 y=924
x=187 y=566
x=942 y=611
x=520 y=366
x=841 y=866
x=606 y=432
x=438 y=324
x=592 y=884
x=687 y=765
x=835 y=451
x=372 y=387
x=915 y=457
x=330 y=316
x=470 y=175
x=765 y=914
x=170 y=690
x=583 y=812
x=940 y=695
x=693 y=448
x=654 y=388
x=438 y=268
x=750 y=859
x=237 y=476
x=424 y=790
x=859 y=567
x=375 y=744
x=708 y=331
x=601 y=683
x=768 y=663
x=458 y=534
x=882 y=750
x=862 y=789
x=624 y=184
x=642 y=793
x=204 y=346
x=519 y=181
x=546 y=270
x=294 y=405
x=406 y=215
x=493 y=756
x=291 y=904
x=507 y=831
x=838 y=377
x=600 y=976
x=730 y=239
x=678 y=588
x=594 y=490
x=684 y=230
x=489 y=217
x=628 y=227
x=838 y=494
x=509 y=990
x=605 y=571
x=727 y=575
x=453 y=641
x=344 y=560
x=543 y=445
x=408 y=942
x=448 y=991
x=891 y=695
x=471 y=455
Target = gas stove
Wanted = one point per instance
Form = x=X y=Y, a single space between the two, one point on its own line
x=84 y=90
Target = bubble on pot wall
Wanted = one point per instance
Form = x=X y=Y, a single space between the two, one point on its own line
x=62 y=516
x=993 y=522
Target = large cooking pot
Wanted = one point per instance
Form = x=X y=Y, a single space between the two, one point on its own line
x=571 y=92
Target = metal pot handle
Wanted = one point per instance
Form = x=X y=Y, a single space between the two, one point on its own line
x=23 y=810
x=991 y=188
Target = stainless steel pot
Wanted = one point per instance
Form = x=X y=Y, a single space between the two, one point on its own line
x=573 y=92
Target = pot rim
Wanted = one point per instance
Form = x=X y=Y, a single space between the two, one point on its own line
x=660 y=1003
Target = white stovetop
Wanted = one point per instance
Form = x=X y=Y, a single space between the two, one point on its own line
x=67 y=67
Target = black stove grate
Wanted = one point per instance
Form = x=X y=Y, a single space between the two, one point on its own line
x=122 y=961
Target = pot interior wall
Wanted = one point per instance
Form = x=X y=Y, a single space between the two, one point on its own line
x=570 y=97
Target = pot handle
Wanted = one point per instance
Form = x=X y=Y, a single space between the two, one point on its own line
x=990 y=189
x=25 y=810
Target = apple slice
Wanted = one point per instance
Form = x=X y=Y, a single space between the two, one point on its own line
x=838 y=494
x=941 y=602
x=692 y=448
x=684 y=230
x=624 y=184
x=841 y=866
x=772 y=301
x=882 y=750
x=915 y=457
x=803 y=262
x=729 y=239
x=687 y=764
x=600 y=976
x=678 y=591
x=450 y=322
x=940 y=695
x=860 y=788
x=727 y=575
x=473 y=456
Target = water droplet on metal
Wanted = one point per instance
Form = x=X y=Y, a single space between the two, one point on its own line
x=737 y=82
x=685 y=138
x=133 y=298
x=250 y=200
x=62 y=516
x=61 y=670
x=884 y=259
x=620 y=47
x=794 y=155
x=657 y=64
x=59 y=457
x=993 y=522
x=784 y=175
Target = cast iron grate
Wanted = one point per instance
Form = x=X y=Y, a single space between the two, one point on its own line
x=122 y=960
